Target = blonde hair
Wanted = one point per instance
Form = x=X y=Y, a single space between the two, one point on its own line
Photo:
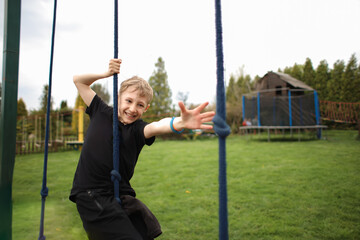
x=139 y=84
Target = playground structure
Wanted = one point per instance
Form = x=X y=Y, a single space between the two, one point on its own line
x=268 y=110
x=8 y=121
x=30 y=133
x=281 y=103
x=264 y=110
x=77 y=145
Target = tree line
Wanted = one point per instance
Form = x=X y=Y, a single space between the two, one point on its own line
x=161 y=105
x=339 y=83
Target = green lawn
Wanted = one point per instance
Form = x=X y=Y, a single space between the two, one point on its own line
x=276 y=190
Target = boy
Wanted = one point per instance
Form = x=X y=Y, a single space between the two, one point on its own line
x=103 y=217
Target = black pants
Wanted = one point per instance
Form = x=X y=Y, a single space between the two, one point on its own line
x=104 y=219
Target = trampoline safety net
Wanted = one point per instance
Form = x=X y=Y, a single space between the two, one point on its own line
x=269 y=109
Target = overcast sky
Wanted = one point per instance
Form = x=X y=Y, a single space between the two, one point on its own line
x=261 y=35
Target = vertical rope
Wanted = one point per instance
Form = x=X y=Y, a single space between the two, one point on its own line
x=44 y=190
x=274 y=111
x=317 y=113
x=243 y=107
x=290 y=108
x=258 y=109
x=220 y=126
x=115 y=175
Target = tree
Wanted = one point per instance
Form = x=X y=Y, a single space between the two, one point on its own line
x=102 y=92
x=161 y=102
x=255 y=81
x=297 y=71
x=232 y=91
x=321 y=79
x=23 y=125
x=21 y=108
x=357 y=90
x=334 y=85
x=44 y=99
x=63 y=105
x=233 y=103
x=238 y=85
x=350 y=81
x=309 y=73
x=65 y=111
x=181 y=96
x=287 y=70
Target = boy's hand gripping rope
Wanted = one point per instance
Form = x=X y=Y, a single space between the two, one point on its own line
x=115 y=175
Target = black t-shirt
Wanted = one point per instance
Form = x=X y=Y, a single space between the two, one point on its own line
x=96 y=158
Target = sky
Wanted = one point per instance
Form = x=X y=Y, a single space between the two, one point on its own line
x=258 y=36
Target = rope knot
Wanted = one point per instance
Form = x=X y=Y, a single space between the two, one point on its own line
x=221 y=128
x=42 y=238
x=44 y=192
x=115 y=175
x=118 y=200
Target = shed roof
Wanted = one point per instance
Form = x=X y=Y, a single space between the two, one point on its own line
x=292 y=81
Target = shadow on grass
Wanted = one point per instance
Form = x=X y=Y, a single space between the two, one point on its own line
x=281 y=138
x=284 y=140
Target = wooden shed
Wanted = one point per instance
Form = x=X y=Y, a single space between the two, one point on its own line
x=281 y=83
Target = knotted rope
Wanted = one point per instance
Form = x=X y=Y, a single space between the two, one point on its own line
x=115 y=175
x=44 y=190
x=220 y=126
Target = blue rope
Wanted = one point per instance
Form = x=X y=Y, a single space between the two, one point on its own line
x=220 y=126
x=44 y=190
x=115 y=175
x=317 y=113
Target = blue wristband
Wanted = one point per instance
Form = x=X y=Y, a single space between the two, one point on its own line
x=172 y=126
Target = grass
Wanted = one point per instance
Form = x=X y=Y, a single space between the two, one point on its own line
x=276 y=190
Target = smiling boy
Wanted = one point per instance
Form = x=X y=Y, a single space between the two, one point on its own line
x=92 y=191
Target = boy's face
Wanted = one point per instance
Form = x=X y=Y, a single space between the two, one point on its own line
x=131 y=105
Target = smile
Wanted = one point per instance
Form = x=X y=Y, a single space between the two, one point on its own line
x=130 y=115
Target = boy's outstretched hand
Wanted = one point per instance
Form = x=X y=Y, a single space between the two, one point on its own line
x=191 y=119
x=194 y=119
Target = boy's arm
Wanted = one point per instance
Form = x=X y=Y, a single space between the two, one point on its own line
x=83 y=82
x=191 y=119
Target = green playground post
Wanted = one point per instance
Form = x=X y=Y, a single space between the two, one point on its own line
x=8 y=112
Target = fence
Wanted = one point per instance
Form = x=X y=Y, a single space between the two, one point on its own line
x=34 y=146
x=340 y=111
